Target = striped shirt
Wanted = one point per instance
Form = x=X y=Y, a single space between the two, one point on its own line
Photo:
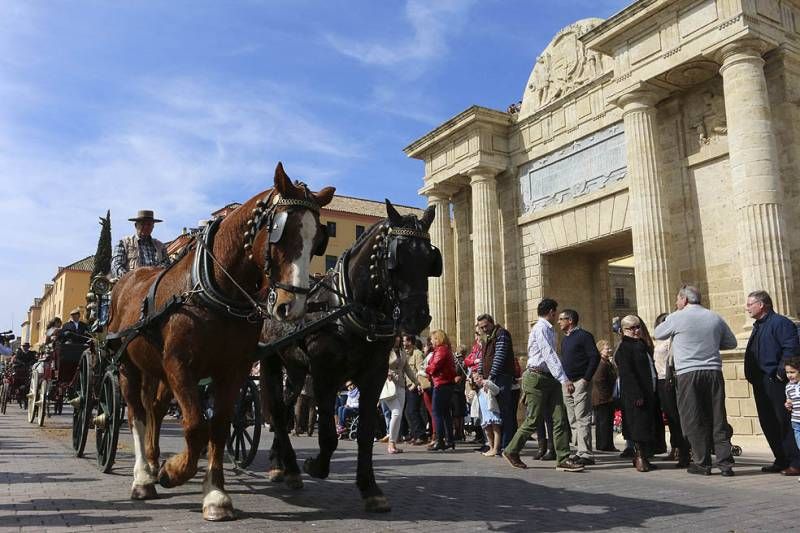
x=793 y=395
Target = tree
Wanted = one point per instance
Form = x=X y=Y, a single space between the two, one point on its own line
x=102 y=257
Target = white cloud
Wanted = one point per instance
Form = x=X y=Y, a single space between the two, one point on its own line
x=431 y=23
x=184 y=148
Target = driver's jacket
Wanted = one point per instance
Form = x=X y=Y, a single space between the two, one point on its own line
x=127 y=255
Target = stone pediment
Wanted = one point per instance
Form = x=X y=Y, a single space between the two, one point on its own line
x=564 y=66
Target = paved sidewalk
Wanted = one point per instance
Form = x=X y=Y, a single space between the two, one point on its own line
x=44 y=488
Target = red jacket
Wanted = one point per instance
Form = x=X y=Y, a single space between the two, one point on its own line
x=473 y=360
x=442 y=367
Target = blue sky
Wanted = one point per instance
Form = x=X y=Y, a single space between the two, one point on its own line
x=185 y=106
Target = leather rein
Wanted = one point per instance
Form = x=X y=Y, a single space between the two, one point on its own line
x=263 y=216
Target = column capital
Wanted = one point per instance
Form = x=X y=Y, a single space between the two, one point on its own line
x=743 y=50
x=481 y=174
x=638 y=100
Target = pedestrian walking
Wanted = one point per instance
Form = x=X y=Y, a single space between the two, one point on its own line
x=542 y=384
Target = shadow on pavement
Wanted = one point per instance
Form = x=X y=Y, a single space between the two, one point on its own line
x=481 y=499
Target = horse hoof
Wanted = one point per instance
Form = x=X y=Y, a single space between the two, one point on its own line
x=275 y=475
x=218 y=513
x=377 y=504
x=310 y=467
x=163 y=478
x=144 y=492
x=294 y=481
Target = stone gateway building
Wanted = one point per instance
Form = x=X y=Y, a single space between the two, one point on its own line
x=669 y=133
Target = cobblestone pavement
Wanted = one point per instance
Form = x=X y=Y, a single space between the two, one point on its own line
x=44 y=488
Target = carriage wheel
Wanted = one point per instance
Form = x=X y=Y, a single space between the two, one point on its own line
x=3 y=398
x=32 y=392
x=108 y=421
x=82 y=414
x=245 y=431
x=43 y=399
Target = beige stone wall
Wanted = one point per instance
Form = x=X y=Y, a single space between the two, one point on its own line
x=783 y=82
x=513 y=295
x=739 y=402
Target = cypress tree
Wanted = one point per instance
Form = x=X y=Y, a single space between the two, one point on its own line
x=102 y=258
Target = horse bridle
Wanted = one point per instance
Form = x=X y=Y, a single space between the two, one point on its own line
x=266 y=214
x=263 y=215
x=383 y=261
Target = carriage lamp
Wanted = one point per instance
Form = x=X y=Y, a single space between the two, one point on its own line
x=100 y=285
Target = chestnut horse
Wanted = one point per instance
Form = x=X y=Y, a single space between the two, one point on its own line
x=251 y=265
x=385 y=277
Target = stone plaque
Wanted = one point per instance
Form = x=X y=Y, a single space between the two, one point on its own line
x=579 y=168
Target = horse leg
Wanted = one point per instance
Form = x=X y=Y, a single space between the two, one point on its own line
x=156 y=403
x=325 y=393
x=181 y=467
x=283 y=461
x=370 y=385
x=144 y=478
x=217 y=505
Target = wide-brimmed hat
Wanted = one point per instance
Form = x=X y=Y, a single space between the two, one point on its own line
x=144 y=214
x=76 y=310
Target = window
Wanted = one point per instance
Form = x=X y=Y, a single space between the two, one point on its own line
x=359 y=231
x=330 y=261
x=619 y=297
x=331 y=229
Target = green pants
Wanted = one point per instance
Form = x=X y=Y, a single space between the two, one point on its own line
x=542 y=395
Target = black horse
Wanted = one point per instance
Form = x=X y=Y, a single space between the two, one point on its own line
x=384 y=276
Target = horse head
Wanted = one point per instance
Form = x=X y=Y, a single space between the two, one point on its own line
x=401 y=259
x=284 y=233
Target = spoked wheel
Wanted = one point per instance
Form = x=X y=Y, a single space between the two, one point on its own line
x=245 y=430
x=108 y=421
x=32 y=392
x=42 y=399
x=83 y=406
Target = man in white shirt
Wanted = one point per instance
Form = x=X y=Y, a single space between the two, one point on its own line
x=542 y=386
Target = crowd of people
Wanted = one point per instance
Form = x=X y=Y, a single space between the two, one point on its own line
x=573 y=391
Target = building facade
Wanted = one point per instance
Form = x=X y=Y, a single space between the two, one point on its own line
x=67 y=292
x=346 y=218
x=670 y=133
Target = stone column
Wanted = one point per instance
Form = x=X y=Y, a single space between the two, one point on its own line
x=755 y=176
x=486 y=243
x=649 y=216
x=441 y=291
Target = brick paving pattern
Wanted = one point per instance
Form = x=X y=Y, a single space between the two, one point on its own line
x=44 y=488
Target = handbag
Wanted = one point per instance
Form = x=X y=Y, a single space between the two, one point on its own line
x=389 y=391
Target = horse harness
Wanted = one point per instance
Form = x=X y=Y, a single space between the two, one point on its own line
x=356 y=317
x=202 y=280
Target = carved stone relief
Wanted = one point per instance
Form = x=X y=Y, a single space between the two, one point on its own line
x=584 y=166
x=565 y=65
x=704 y=116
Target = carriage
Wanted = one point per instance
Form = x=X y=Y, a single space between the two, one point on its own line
x=14 y=387
x=53 y=378
x=97 y=402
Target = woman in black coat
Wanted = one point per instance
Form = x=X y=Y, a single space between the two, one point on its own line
x=638 y=387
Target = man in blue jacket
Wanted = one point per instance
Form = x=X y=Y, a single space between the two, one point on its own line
x=773 y=339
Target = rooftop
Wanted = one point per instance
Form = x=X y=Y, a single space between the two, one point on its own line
x=362 y=206
x=86 y=264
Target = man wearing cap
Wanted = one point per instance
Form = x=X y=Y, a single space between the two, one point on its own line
x=139 y=249
x=74 y=330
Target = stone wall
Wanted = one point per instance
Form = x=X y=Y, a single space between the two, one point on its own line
x=739 y=401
